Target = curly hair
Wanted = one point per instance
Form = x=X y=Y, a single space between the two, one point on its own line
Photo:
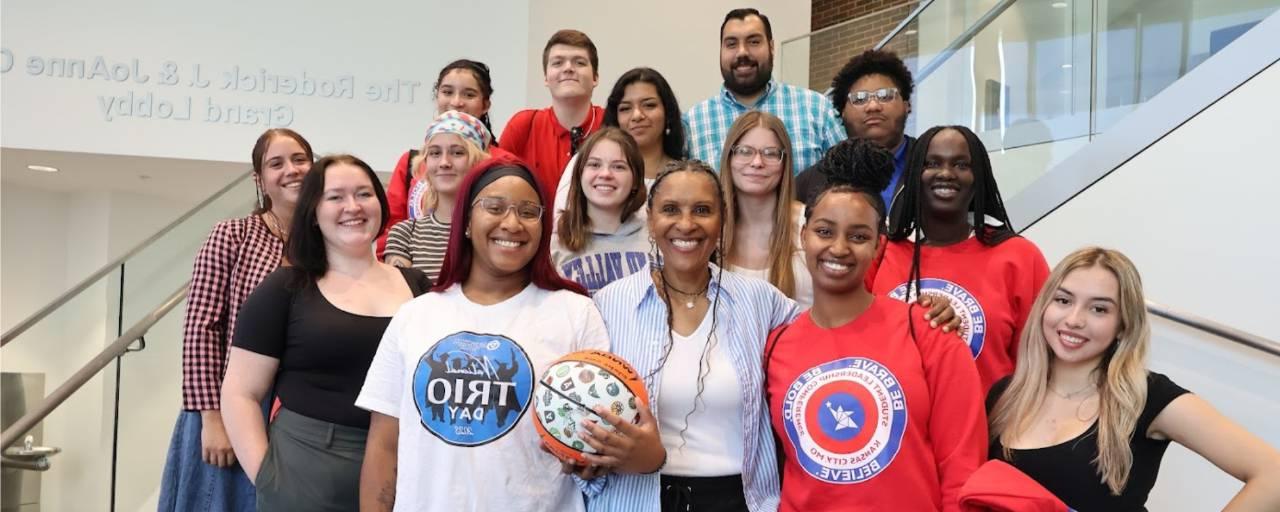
x=871 y=62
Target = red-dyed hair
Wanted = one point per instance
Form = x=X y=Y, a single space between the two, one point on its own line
x=457 y=258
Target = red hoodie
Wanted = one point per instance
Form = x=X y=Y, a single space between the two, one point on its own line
x=992 y=288
x=870 y=419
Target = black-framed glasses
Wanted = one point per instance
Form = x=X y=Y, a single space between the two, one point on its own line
x=575 y=139
x=882 y=96
x=747 y=153
x=526 y=211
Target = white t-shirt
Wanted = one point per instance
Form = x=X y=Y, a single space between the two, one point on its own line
x=460 y=378
x=712 y=442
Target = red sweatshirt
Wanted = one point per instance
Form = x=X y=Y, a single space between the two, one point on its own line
x=535 y=135
x=879 y=421
x=991 y=288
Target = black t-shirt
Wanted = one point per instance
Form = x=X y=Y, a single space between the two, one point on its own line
x=324 y=352
x=1067 y=469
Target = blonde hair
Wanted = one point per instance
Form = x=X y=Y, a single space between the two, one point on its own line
x=1121 y=375
x=781 y=275
x=419 y=172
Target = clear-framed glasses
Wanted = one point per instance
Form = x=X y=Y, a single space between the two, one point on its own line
x=882 y=96
x=748 y=153
x=526 y=211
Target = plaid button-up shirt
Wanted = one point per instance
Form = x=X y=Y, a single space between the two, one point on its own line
x=238 y=255
x=811 y=123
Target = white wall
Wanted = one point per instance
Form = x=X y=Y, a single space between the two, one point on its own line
x=1195 y=212
x=678 y=38
x=375 y=42
x=50 y=241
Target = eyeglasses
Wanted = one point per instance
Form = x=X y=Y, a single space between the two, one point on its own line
x=526 y=211
x=882 y=96
x=575 y=138
x=748 y=153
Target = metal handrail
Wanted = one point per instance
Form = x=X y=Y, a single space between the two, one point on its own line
x=963 y=39
x=1223 y=331
x=30 y=321
x=905 y=21
x=118 y=347
x=828 y=28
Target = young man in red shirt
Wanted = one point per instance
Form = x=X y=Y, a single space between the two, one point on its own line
x=547 y=138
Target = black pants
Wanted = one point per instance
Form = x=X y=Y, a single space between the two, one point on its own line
x=703 y=494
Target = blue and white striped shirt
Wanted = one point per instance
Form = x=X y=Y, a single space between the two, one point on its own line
x=810 y=118
x=636 y=319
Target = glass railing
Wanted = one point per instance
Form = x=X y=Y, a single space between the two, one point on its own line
x=115 y=429
x=1037 y=79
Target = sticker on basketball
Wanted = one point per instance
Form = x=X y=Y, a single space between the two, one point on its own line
x=572 y=387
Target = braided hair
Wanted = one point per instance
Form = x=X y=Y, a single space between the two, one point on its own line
x=704 y=365
x=854 y=166
x=905 y=221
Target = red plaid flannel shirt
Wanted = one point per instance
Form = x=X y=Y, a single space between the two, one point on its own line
x=238 y=255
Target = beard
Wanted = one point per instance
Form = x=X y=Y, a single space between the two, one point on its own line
x=750 y=85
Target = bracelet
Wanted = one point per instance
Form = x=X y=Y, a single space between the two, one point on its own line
x=660 y=466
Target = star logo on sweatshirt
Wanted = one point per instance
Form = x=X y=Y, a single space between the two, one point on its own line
x=843 y=418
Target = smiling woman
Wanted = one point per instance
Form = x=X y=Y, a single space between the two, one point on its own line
x=238 y=255
x=310 y=331
x=601 y=236
x=950 y=237
x=498 y=316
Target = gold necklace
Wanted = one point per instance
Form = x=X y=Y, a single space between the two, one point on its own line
x=1073 y=394
x=275 y=223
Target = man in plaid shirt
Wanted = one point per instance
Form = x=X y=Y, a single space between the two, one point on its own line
x=746 y=62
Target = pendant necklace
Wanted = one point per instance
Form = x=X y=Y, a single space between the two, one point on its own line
x=693 y=296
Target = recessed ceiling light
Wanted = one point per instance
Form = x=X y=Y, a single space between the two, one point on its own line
x=910 y=32
x=42 y=168
x=1059 y=5
x=1066 y=66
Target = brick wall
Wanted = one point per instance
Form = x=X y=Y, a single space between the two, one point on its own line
x=829 y=50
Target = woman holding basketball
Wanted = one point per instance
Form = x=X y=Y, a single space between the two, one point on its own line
x=874 y=410
x=695 y=334
x=453 y=377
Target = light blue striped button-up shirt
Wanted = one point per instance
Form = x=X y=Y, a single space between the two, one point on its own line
x=811 y=120
x=636 y=319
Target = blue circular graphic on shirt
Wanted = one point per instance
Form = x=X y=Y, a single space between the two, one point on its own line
x=973 y=321
x=471 y=389
x=845 y=420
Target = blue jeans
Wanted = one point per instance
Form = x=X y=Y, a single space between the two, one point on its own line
x=191 y=485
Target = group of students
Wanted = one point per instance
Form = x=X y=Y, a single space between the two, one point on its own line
x=793 y=312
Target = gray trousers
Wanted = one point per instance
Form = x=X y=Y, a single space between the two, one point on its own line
x=310 y=465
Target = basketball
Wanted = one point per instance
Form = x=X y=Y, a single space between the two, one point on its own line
x=572 y=387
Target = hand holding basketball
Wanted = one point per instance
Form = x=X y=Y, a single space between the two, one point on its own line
x=572 y=467
x=629 y=448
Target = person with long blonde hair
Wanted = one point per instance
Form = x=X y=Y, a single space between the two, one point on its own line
x=761 y=228
x=1083 y=415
